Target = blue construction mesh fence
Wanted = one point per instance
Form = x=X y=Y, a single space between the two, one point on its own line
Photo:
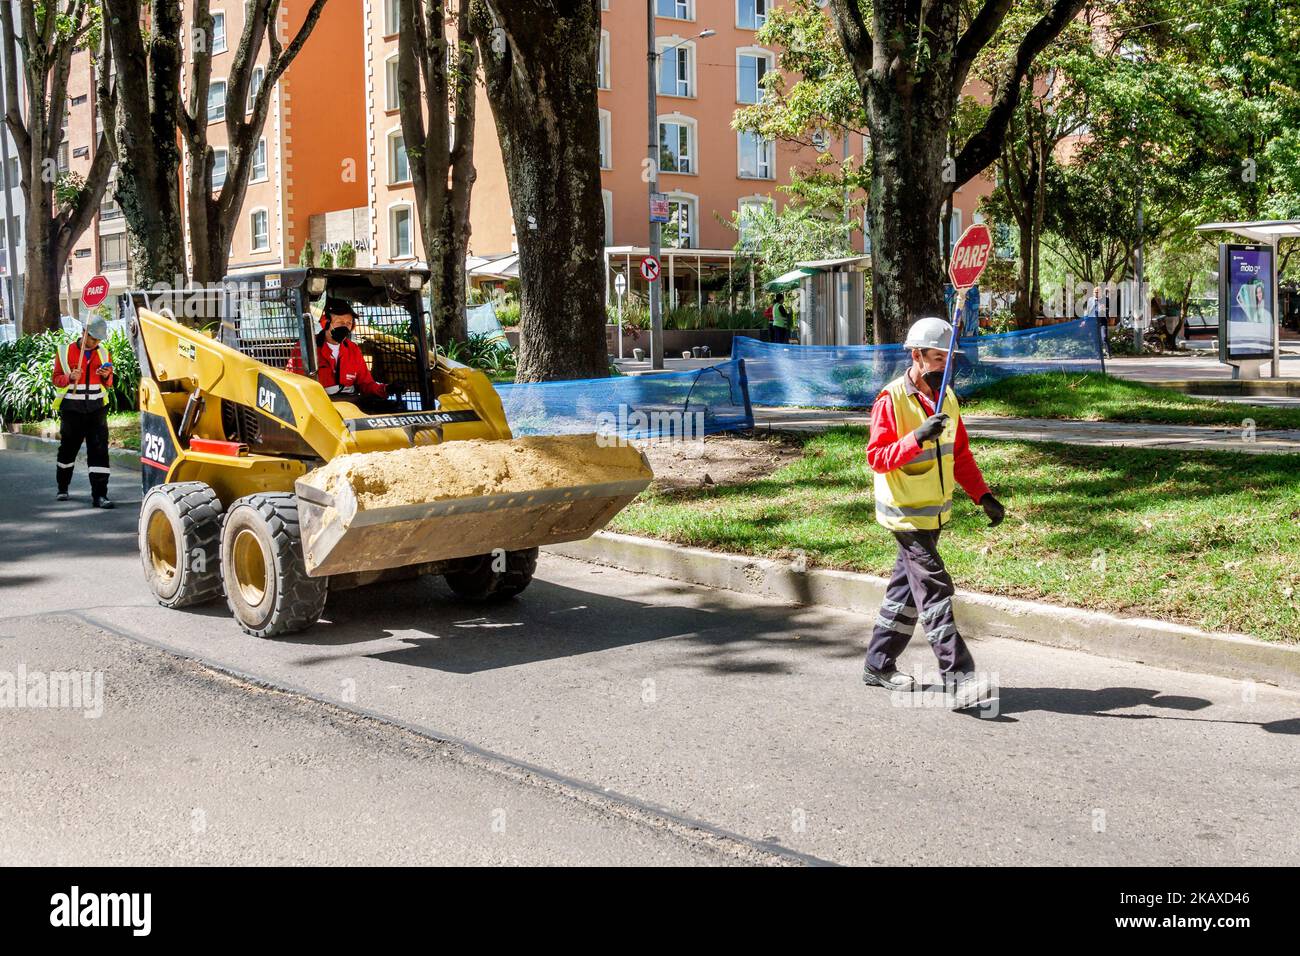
x=851 y=376
x=671 y=405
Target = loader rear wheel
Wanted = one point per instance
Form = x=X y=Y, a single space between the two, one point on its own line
x=180 y=543
x=262 y=568
x=482 y=578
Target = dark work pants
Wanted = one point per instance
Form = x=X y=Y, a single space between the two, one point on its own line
x=919 y=589
x=76 y=426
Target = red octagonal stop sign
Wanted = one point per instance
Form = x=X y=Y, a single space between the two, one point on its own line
x=95 y=292
x=970 y=256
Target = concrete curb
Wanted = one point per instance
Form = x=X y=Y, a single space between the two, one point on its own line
x=123 y=458
x=979 y=615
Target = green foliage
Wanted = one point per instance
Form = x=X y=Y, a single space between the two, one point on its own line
x=27 y=364
x=346 y=256
x=688 y=317
x=308 y=258
x=327 y=260
x=798 y=233
x=485 y=352
x=68 y=188
x=508 y=313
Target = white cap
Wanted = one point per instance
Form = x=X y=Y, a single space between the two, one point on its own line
x=929 y=333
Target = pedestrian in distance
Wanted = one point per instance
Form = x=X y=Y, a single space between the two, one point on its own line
x=82 y=377
x=918 y=450
x=781 y=318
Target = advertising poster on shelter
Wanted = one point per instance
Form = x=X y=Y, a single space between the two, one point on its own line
x=1246 y=301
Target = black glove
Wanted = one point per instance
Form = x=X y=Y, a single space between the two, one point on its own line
x=932 y=427
x=993 y=508
x=394 y=388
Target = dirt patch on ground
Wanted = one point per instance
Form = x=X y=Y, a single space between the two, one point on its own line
x=719 y=459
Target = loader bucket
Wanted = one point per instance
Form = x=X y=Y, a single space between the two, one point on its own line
x=391 y=509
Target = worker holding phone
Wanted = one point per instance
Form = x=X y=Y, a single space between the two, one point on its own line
x=83 y=374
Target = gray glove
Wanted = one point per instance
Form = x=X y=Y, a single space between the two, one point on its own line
x=931 y=428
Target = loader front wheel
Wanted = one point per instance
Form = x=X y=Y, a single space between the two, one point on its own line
x=180 y=543
x=493 y=577
x=262 y=568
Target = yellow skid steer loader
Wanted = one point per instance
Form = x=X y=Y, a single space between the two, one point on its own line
x=262 y=485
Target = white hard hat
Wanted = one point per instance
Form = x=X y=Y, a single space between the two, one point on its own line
x=96 y=328
x=929 y=333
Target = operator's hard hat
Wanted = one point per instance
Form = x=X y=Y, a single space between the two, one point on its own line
x=97 y=328
x=929 y=333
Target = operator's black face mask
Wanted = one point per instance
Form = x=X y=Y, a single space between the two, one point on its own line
x=934 y=380
x=339 y=333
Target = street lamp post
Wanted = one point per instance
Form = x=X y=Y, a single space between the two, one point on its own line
x=656 y=235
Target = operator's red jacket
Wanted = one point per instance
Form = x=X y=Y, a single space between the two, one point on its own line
x=887 y=450
x=342 y=376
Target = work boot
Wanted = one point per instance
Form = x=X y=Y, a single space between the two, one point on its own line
x=890 y=679
x=971 y=690
x=61 y=496
x=103 y=502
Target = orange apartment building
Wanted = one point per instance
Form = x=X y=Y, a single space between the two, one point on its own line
x=708 y=171
x=334 y=167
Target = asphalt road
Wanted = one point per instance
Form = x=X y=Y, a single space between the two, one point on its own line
x=602 y=717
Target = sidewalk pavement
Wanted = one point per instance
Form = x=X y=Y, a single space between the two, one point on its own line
x=1125 y=434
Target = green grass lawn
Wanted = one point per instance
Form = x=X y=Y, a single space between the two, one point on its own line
x=123 y=429
x=1092 y=396
x=1209 y=539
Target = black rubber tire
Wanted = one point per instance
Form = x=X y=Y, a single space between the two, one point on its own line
x=287 y=599
x=479 y=580
x=192 y=511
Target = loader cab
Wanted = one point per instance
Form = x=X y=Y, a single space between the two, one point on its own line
x=274 y=317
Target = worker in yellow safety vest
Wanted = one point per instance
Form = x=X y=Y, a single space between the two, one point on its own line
x=917 y=452
x=82 y=378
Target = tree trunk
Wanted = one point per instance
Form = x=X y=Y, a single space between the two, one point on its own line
x=539 y=62
x=44 y=272
x=907 y=199
x=441 y=154
x=148 y=80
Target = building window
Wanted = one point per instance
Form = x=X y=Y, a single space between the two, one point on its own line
x=392 y=85
x=605 y=139
x=217 y=101
x=112 y=251
x=108 y=208
x=399 y=167
x=254 y=87
x=218 y=32
x=747 y=211
x=401 y=238
x=675 y=9
x=677 y=146
x=259 y=162
x=63 y=157
x=602 y=61
x=261 y=229
x=392 y=17
x=679 y=230
x=675 y=69
x=218 y=168
x=607 y=199
x=751 y=14
x=755 y=156
x=750 y=70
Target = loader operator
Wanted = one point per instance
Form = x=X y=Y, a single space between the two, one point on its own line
x=340 y=366
x=914 y=500
x=82 y=377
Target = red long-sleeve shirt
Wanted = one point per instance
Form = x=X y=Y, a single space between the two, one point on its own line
x=89 y=386
x=886 y=450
